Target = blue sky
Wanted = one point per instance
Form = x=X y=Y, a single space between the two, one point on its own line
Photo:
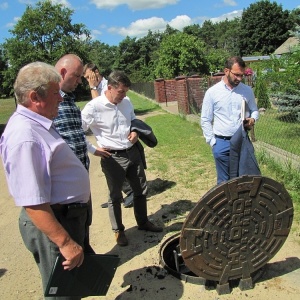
x=110 y=21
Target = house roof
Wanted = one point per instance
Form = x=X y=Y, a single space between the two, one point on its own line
x=255 y=58
x=287 y=46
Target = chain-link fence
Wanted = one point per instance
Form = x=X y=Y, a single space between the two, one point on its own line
x=278 y=134
x=277 y=131
x=144 y=88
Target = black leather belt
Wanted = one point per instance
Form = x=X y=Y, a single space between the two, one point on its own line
x=222 y=137
x=68 y=206
x=120 y=151
x=71 y=210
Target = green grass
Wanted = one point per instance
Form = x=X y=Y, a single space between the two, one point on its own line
x=181 y=152
x=276 y=130
x=7 y=107
x=284 y=174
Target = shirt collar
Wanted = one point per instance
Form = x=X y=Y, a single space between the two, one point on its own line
x=45 y=122
x=227 y=87
x=66 y=96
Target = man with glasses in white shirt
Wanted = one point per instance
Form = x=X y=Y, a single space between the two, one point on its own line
x=221 y=113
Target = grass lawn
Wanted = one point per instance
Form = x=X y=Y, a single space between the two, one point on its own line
x=277 y=131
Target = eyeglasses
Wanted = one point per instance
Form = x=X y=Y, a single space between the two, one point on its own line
x=237 y=75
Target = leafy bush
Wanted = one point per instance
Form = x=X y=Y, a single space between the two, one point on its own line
x=261 y=93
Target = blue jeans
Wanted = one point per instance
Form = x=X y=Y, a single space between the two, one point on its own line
x=221 y=152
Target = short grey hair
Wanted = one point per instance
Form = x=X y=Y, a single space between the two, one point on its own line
x=118 y=77
x=35 y=76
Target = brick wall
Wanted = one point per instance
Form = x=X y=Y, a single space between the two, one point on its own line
x=187 y=91
x=165 y=90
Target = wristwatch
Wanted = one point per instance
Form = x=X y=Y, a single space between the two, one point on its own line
x=93 y=88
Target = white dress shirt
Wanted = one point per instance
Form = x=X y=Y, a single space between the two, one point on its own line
x=221 y=110
x=109 y=123
x=102 y=87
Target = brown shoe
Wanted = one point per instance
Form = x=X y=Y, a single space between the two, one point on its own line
x=148 y=226
x=121 y=238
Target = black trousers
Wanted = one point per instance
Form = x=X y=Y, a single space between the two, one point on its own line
x=117 y=168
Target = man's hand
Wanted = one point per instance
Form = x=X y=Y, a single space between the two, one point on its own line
x=44 y=219
x=102 y=152
x=92 y=78
x=249 y=123
x=73 y=253
x=133 y=137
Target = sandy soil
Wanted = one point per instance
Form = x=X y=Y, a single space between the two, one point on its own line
x=140 y=274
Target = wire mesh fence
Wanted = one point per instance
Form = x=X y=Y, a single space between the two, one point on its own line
x=277 y=132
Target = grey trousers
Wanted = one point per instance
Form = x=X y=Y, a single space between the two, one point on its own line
x=117 y=168
x=45 y=251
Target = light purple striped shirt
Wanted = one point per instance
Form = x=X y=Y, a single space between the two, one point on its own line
x=40 y=167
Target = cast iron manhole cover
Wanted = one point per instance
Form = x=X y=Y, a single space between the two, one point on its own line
x=236 y=228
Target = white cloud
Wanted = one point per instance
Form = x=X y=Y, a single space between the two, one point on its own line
x=95 y=33
x=12 y=24
x=32 y=2
x=3 y=5
x=226 y=3
x=63 y=2
x=26 y=1
x=180 y=21
x=133 y=4
x=228 y=16
x=140 y=27
x=230 y=3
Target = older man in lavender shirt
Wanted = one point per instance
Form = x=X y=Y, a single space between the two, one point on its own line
x=44 y=176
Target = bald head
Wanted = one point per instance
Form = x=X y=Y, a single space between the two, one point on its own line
x=70 y=67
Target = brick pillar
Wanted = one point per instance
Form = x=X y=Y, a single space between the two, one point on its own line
x=182 y=95
x=160 y=90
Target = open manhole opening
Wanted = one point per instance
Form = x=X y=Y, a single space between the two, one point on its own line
x=172 y=261
x=230 y=235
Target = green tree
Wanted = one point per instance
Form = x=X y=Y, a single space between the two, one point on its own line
x=264 y=27
x=261 y=93
x=180 y=54
x=287 y=92
x=194 y=30
x=137 y=57
x=103 y=56
x=126 y=55
x=295 y=17
x=208 y=34
x=4 y=89
x=227 y=33
x=216 y=59
x=44 y=33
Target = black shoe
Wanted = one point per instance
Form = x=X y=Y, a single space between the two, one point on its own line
x=121 y=238
x=128 y=200
x=104 y=205
x=149 y=226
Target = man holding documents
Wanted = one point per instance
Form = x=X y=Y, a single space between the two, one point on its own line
x=44 y=176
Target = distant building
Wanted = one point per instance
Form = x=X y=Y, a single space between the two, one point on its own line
x=287 y=46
